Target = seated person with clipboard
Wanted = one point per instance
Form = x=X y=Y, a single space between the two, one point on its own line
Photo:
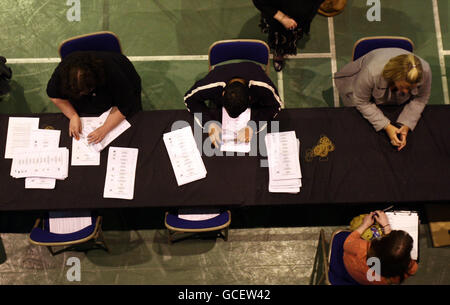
x=393 y=249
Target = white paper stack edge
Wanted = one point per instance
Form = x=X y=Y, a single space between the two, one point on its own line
x=284 y=162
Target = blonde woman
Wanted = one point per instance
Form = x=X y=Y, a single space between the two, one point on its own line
x=387 y=76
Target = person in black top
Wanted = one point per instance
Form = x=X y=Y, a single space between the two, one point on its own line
x=285 y=21
x=235 y=87
x=91 y=82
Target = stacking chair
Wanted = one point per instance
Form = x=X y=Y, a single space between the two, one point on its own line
x=337 y=274
x=239 y=49
x=367 y=44
x=98 y=41
x=42 y=236
x=177 y=225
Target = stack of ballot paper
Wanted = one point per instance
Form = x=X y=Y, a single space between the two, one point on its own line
x=46 y=164
x=120 y=173
x=31 y=150
x=284 y=162
x=184 y=155
x=82 y=147
x=230 y=128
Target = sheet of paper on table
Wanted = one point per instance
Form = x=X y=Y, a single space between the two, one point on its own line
x=230 y=129
x=284 y=162
x=43 y=139
x=64 y=222
x=83 y=153
x=19 y=134
x=120 y=173
x=184 y=155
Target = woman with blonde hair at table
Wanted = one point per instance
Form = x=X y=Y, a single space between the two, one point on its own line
x=387 y=76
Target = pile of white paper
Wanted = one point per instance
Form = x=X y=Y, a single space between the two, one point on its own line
x=230 y=129
x=120 y=173
x=64 y=222
x=46 y=164
x=184 y=155
x=284 y=162
x=407 y=221
x=90 y=124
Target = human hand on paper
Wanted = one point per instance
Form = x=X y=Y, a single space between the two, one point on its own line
x=245 y=134
x=97 y=135
x=75 y=127
x=214 y=132
x=366 y=223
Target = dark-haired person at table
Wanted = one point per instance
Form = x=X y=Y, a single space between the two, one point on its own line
x=285 y=22
x=91 y=82
x=235 y=87
x=393 y=250
x=387 y=76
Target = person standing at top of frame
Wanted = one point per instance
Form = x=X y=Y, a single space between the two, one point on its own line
x=91 y=82
x=285 y=21
x=387 y=76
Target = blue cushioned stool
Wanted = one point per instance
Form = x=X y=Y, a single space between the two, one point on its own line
x=367 y=44
x=42 y=236
x=337 y=274
x=175 y=224
x=98 y=41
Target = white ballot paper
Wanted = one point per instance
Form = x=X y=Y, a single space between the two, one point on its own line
x=64 y=222
x=19 y=134
x=43 y=139
x=82 y=152
x=97 y=122
x=46 y=164
x=407 y=221
x=120 y=173
x=184 y=155
x=284 y=162
x=230 y=129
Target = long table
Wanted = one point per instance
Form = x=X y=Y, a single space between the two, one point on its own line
x=362 y=168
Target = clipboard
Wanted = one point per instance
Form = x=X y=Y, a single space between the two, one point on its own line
x=407 y=221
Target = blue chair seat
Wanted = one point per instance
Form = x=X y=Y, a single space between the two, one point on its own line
x=175 y=224
x=43 y=235
x=337 y=273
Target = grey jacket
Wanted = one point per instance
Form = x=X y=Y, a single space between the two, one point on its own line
x=360 y=83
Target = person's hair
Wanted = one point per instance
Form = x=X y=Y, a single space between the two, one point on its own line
x=405 y=67
x=394 y=252
x=236 y=98
x=81 y=72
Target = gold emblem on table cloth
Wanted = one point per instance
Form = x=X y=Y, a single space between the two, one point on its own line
x=49 y=127
x=321 y=150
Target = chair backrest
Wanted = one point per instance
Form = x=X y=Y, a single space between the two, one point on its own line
x=367 y=44
x=99 y=41
x=337 y=274
x=239 y=49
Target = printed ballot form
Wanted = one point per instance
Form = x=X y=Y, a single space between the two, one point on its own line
x=65 y=222
x=184 y=155
x=407 y=221
x=230 y=129
x=284 y=162
x=120 y=173
x=19 y=134
x=91 y=124
x=82 y=152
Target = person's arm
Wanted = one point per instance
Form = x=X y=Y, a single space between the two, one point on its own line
x=114 y=118
x=366 y=223
x=383 y=221
x=67 y=109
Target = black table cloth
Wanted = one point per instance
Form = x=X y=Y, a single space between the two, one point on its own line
x=363 y=168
